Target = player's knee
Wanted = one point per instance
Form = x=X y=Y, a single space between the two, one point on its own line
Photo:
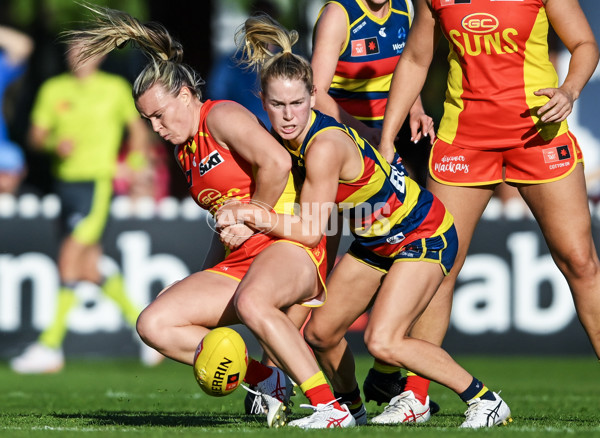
x=319 y=339
x=579 y=264
x=381 y=346
x=248 y=309
x=150 y=326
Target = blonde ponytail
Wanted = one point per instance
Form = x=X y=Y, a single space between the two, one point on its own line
x=111 y=29
x=266 y=46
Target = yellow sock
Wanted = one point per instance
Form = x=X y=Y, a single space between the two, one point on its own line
x=314 y=381
x=54 y=335
x=385 y=368
x=114 y=288
x=317 y=390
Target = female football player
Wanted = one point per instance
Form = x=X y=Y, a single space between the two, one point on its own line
x=505 y=119
x=352 y=85
x=405 y=241
x=225 y=154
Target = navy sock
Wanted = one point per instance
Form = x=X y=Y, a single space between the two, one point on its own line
x=477 y=390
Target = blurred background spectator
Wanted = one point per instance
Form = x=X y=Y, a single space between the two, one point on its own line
x=79 y=118
x=143 y=176
x=13 y=170
x=15 y=49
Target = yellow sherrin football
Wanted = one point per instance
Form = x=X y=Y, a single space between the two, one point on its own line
x=220 y=362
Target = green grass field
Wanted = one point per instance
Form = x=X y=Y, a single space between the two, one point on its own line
x=553 y=397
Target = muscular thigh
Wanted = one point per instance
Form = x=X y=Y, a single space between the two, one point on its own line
x=404 y=295
x=562 y=211
x=350 y=291
x=466 y=204
x=282 y=275
x=203 y=298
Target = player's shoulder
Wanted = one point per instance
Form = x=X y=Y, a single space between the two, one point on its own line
x=228 y=109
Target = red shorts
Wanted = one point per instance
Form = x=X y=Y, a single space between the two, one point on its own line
x=237 y=263
x=550 y=161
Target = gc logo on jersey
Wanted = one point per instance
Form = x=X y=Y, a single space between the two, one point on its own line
x=210 y=162
x=367 y=46
x=207 y=197
x=480 y=22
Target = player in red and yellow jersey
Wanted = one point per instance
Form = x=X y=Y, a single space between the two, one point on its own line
x=404 y=239
x=227 y=157
x=217 y=174
x=505 y=120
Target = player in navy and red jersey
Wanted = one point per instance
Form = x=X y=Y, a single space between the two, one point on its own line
x=505 y=120
x=357 y=44
x=227 y=157
x=404 y=245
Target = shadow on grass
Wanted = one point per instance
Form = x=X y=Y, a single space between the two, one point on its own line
x=154 y=419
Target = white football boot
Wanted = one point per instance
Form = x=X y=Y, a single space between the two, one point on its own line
x=486 y=413
x=38 y=359
x=325 y=417
x=404 y=408
x=275 y=391
x=253 y=402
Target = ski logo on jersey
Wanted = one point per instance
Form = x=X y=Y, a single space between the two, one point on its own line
x=210 y=162
x=364 y=47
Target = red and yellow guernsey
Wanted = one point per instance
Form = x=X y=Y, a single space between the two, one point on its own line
x=498 y=58
x=215 y=174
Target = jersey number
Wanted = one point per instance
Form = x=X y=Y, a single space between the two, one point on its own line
x=397 y=180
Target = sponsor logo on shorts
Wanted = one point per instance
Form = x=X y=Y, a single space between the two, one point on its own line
x=367 y=46
x=452 y=164
x=554 y=154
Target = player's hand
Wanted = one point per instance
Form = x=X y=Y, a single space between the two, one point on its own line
x=235 y=235
x=558 y=107
x=229 y=214
x=421 y=125
x=64 y=148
